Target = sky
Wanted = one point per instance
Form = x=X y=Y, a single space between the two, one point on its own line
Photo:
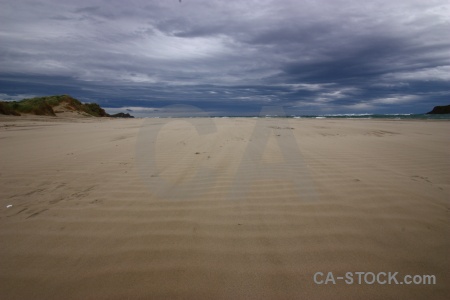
x=230 y=57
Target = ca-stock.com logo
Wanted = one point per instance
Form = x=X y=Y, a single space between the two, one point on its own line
x=251 y=168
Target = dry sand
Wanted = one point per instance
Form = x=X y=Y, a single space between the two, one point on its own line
x=221 y=208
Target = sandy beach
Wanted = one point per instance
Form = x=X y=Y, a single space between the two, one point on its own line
x=221 y=208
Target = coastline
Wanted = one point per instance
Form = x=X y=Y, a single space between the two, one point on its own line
x=88 y=221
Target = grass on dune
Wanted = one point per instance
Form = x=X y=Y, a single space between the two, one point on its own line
x=44 y=106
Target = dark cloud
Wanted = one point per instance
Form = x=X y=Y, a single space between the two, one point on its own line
x=230 y=57
x=87 y=9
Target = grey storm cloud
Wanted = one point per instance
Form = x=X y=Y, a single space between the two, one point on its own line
x=230 y=56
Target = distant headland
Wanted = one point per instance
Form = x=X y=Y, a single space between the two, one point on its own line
x=440 y=110
x=59 y=105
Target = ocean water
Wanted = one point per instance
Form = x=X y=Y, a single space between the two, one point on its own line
x=331 y=116
x=380 y=116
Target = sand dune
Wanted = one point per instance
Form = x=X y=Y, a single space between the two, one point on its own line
x=221 y=208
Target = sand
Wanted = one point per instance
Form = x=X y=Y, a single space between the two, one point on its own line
x=221 y=208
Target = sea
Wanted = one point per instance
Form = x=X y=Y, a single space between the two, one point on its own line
x=328 y=116
x=366 y=116
x=381 y=116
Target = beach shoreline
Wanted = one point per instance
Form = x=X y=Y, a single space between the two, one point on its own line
x=245 y=208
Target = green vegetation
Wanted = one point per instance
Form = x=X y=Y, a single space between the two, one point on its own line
x=44 y=106
x=94 y=109
x=5 y=109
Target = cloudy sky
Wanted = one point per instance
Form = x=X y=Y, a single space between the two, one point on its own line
x=230 y=57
